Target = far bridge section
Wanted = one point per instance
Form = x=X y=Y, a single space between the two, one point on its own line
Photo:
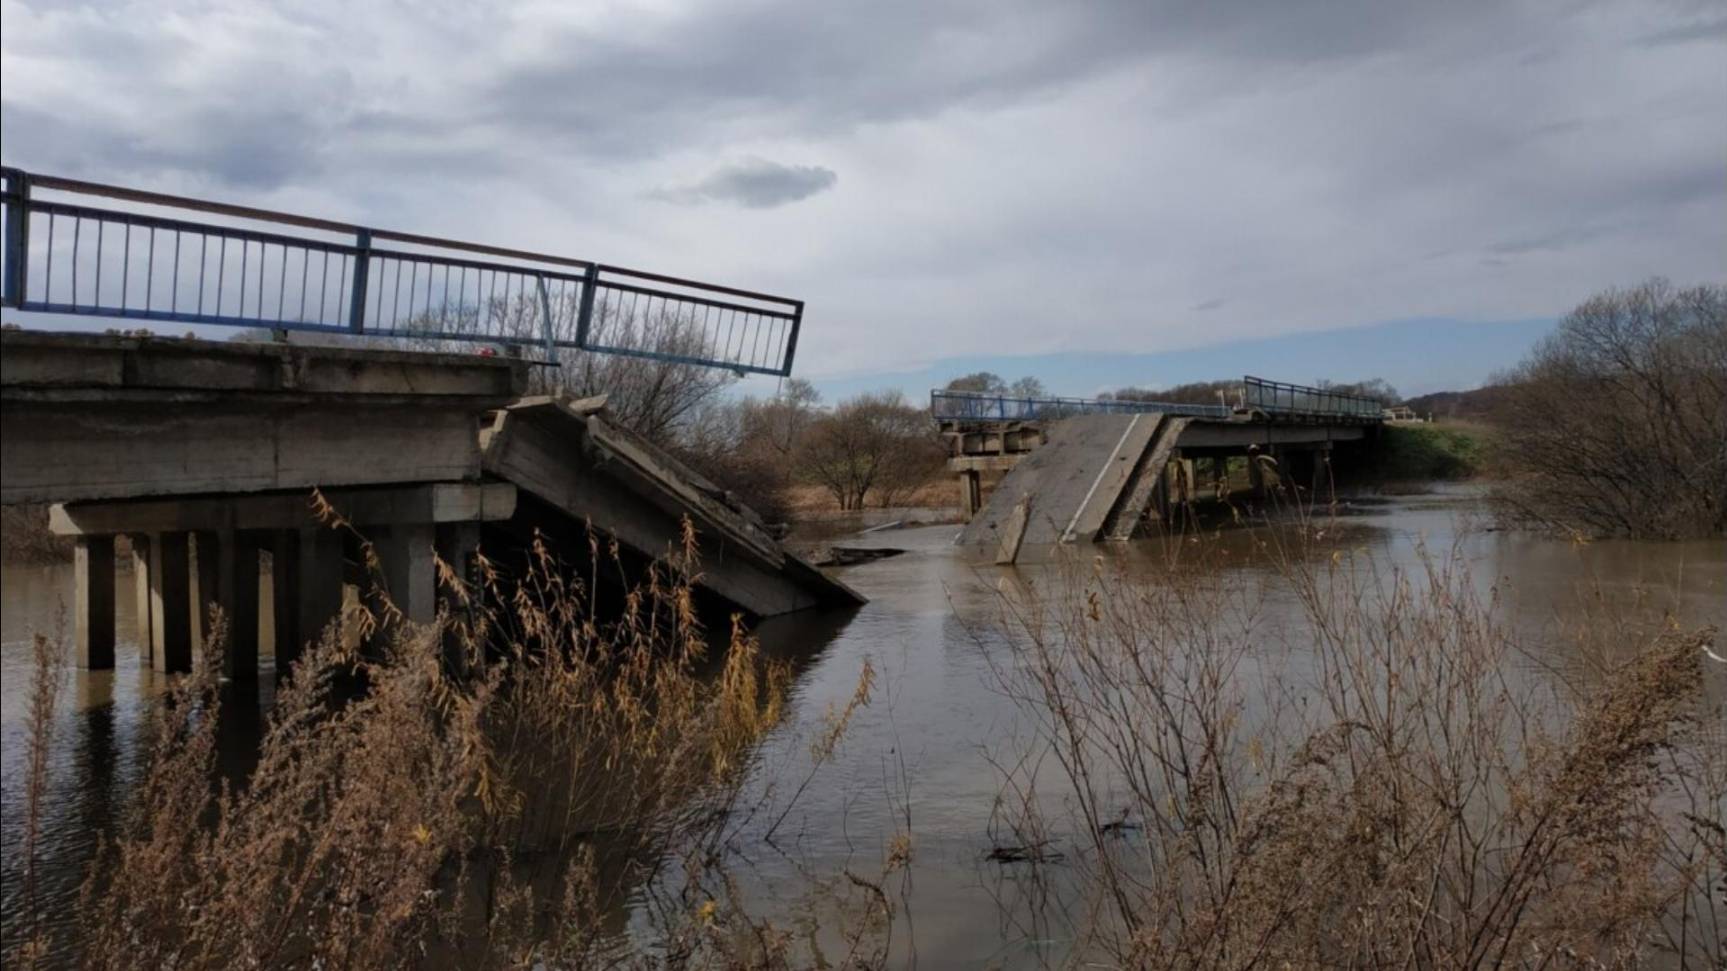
x=205 y=454
x=1071 y=470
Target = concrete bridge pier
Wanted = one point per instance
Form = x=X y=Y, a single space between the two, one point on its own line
x=1257 y=461
x=170 y=603
x=93 y=598
x=970 y=493
x=141 y=592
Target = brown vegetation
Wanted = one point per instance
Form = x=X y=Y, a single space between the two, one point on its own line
x=873 y=444
x=1617 y=423
x=400 y=816
x=1387 y=789
x=24 y=536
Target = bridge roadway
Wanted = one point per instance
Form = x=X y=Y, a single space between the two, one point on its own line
x=205 y=454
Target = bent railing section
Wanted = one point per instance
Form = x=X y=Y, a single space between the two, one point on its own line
x=983 y=406
x=82 y=248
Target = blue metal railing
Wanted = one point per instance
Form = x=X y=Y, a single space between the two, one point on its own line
x=173 y=259
x=1297 y=400
x=998 y=407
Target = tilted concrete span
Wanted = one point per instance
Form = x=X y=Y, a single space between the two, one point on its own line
x=1094 y=477
x=190 y=445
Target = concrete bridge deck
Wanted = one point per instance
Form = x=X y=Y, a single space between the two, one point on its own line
x=206 y=455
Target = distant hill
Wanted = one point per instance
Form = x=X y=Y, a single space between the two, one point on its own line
x=1457 y=404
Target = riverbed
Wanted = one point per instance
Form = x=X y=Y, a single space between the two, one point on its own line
x=923 y=756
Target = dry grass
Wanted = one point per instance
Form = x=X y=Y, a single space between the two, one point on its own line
x=1388 y=786
x=400 y=814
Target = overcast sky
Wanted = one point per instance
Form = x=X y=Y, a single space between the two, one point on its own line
x=943 y=180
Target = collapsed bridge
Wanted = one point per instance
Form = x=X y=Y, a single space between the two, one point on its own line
x=1074 y=470
x=205 y=453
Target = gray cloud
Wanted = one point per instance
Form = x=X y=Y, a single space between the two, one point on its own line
x=754 y=183
x=1183 y=172
x=1686 y=33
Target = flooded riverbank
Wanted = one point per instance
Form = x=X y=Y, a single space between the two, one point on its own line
x=929 y=753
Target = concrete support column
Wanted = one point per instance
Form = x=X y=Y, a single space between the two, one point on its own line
x=141 y=591
x=1300 y=469
x=237 y=594
x=170 y=603
x=458 y=544
x=93 y=595
x=206 y=558
x=284 y=595
x=970 y=493
x=409 y=574
x=318 y=599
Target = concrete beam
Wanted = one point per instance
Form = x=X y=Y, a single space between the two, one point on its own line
x=45 y=360
x=118 y=449
x=93 y=595
x=985 y=463
x=1239 y=435
x=443 y=502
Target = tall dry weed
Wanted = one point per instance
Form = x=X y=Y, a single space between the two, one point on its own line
x=486 y=790
x=1386 y=784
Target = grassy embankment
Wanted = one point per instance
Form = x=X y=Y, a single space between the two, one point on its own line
x=1447 y=451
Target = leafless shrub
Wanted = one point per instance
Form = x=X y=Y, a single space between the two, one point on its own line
x=1617 y=423
x=873 y=444
x=1387 y=786
x=47 y=680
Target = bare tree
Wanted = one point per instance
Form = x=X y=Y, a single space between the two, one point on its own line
x=988 y=382
x=873 y=443
x=978 y=382
x=654 y=390
x=1617 y=422
x=1378 y=389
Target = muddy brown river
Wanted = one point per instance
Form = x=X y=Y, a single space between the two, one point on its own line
x=923 y=754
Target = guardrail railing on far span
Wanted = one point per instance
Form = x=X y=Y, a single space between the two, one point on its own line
x=983 y=406
x=87 y=249
x=1279 y=398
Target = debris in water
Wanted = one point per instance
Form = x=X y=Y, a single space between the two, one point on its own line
x=850 y=555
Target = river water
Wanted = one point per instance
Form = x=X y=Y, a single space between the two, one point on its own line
x=923 y=755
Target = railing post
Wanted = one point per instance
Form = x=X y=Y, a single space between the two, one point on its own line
x=17 y=231
x=362 y=269
x=792 y=338
x=585 y=311
x=546 y=314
